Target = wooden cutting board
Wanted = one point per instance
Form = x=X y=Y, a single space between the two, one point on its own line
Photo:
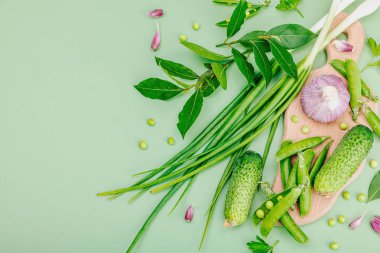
x=292 y=131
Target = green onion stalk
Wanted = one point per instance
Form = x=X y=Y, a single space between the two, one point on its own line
x=222 y=142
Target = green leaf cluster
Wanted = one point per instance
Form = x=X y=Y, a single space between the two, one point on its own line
x=288 y=5
x=260 y=246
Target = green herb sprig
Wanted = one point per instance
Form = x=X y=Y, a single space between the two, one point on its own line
x=260 y=246
x=289 y=5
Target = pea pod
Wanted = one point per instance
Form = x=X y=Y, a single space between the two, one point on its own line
x=354 y=87
x=279 y=210
x=305 y=160
x=319 y=162
x=292 y=180
x=373 y=119
x=285 y=165
x=287 y=221
x=299 y=146
x=339 y=66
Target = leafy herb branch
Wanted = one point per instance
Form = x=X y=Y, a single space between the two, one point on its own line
x=375 y=50
x=289 y=5
x=260 y=246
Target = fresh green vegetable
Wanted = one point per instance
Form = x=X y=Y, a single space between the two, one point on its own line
x=242 y=188
x=279 y=210
x=295 y=119
x=354 y=87
x=305 y=159
x=260 y=213
x=339 y=66
x=196 y=26
x=344 y=161
x=299 y=146
x=361 y=197
x=334 y=246
x=269 y=204
x=183 y=38
x=261 y=246
x=374 y=188
x=143 y=145
x=268 y=144
x=151 y=122
x=171 y=141
x=331 y=222
x=343 y=125
x=319 y=162
x=341 y=219
x=373 y=164
x=346 y=195
x=292 y=180
x=286 y=220
x=305 y=129
x=285 y=165
x=372 y=119
x=286 y=5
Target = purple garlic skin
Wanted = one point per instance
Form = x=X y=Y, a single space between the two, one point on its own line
x=343 y=46
x=157 y=13
x=189 y=214
x=356 y=223
x=325 y=98
x=375 y=223
x=156 y=42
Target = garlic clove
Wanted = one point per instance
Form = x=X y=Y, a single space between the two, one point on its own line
x=156 y=39
x=375 y=223
x=356 y=223
x=343 y=46
x=189 y=214
x=157 y=13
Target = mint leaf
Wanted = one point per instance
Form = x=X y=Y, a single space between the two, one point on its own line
x=156 y=88
x=203 y=52
x=244 y=66
x=262 y=61
x=176 y=69
x=190 y=112
x=286 y=5
x=220 y=73
x=237 y=18
x=284 y=58
x=292 y=35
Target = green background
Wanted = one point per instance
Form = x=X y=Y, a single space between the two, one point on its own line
x=70 y=121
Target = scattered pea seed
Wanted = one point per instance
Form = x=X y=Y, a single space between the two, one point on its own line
x=361 y=197
x=305 y=130
x=171 y=141
x=196 y=26
x=373 y=164
x=295 y=119
x=269 y=204
x=280 y=197
x=260 y=213
x=334 y=246
x=341 y=219
x=331 y=222
x=143 y=145
x=151 y=122
x=346 y=195
x=227 y=20
x=343 y=125
x=183 y=38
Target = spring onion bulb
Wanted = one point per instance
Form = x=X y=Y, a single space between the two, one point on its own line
x=325 y=98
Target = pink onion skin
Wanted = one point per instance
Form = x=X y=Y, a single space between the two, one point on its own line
x=343 y=46
x=157 y=13
x=375 y=223
x=356 y=223
x=156 y=42
x=314 y=104
x=189 y=214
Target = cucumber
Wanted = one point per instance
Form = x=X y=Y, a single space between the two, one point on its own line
x=246 y=175
x=344 y=161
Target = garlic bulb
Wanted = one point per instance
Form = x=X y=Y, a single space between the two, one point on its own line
x=325 y=98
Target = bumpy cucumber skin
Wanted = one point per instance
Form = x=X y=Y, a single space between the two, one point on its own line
x=345 y=160
x=242 y=188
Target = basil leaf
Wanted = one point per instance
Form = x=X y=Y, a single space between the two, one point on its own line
x=210 y=86
x=190 y=112
x=284 y=58
x=220 y=73
x=244 y=66
x=286 y=5
x=237 y=18
x=177 y=69
x=374 y=47
x=262 y=61
x=374 y=188
x=203 y=52
x=292 y=35
x=156 y=88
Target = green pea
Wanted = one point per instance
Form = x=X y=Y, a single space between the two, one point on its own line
x=260 y=213
x=346 y=195
x=183 y=38
x=331 y=222
x=295 y=119
x=227 y=20
x=361 y=197
x=196 y=26
x=143 y=145
x=334 y=246
x=151 y=122
x=269 y=204
x=373 y=164
x=341 y=219
x=305 y=130
x=247 y=13
x=280 y=197
x=343 y=125
x=171 y=141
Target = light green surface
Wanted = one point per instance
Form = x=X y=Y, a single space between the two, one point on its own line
x=71 y=121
